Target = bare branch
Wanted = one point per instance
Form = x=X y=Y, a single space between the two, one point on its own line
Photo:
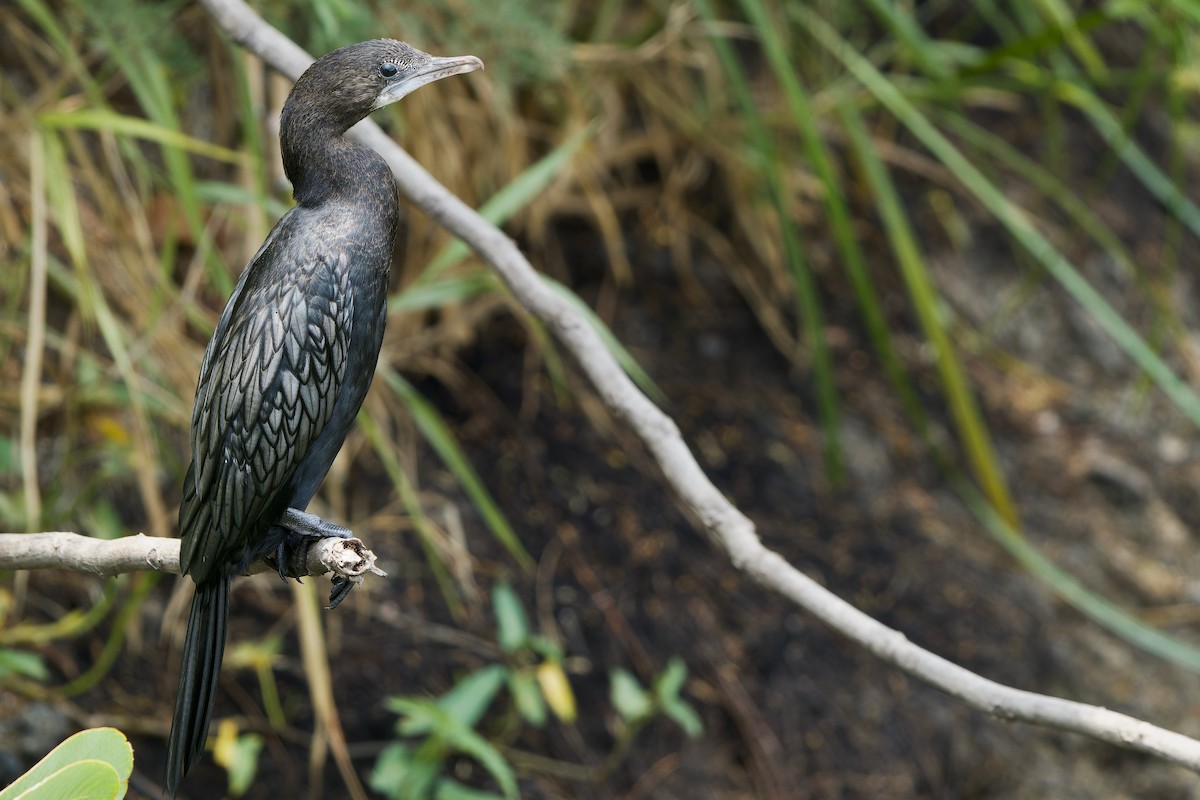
x=348 y=558
x=724 y=522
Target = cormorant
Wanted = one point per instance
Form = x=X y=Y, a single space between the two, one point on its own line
x=292 y=356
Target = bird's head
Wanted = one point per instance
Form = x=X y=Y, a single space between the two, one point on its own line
x=351 y=82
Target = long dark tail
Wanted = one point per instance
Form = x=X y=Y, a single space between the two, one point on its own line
x=201 y=664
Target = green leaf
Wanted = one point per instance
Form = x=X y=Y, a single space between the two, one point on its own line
x=1016 y=221
x=84 y=760
x=527 y=695
x=449 y=722
x=512 y=626
x=471 y=696
x=401 y=773
x=632 y=702
x=101 y=119
x=238 y=755
x=448 y=789
x=772 y=167
x=419 y=717
x=23 y=663
x=90 y=779
x=968 y=419
x=683 y=714
x=471 y=743
x=392 y=768
x=671 y=679
x=544 y=647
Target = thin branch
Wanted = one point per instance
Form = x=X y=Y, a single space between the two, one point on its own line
x=719 y=518
x=348 y=558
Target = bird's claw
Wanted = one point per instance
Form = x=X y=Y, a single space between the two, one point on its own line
x=341 y=588
x=306 y=524
x=298 y=525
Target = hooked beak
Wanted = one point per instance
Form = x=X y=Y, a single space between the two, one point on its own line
x=434 y=69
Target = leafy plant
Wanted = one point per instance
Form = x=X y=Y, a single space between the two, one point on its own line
x=536 y=682
x=94 y=764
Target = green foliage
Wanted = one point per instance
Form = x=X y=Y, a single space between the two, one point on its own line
x=238 y=754
x=22 y=663
x=91 y=765
x=436 y=730
x=637 y=705
x=447 y=727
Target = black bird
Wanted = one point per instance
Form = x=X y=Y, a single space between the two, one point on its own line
x=293 y=354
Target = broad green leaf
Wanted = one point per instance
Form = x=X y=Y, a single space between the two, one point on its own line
x=105 y=745
x=671 y=679
x=512 y=626
x=448 y=789
x=632 y=702
x=238 y=755
x=90 y=779
x=23 y=663
x=527 y=696
x=471 y=696
x=472 y=744
x=544 y=647
x=685 y=715
x=403 y=773
x=391 y=768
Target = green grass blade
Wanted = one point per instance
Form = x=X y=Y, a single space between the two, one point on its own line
x=1078 y=596
x=1076 y=40
x=60 y=195
x=1151 y=176
x=501 y=206
x=771 y=167
x=623 y=356
x=1048 y=185
x=835 y=204
x=435 y=431
x=412 y=504
x=1017 y=224
x=106 y=120
x=963 y=407
x=899 y=20
x=422 y=296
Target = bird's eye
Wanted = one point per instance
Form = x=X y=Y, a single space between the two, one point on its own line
x=388 y=70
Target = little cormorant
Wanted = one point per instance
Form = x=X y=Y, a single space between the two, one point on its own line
x=293 y=354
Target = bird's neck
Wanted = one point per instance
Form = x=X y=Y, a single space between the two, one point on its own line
x=324 y=166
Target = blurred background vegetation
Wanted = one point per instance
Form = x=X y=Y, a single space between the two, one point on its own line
x=916 y=279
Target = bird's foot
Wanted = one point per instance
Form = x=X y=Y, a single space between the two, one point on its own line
x=306 y=524
x=296 y=526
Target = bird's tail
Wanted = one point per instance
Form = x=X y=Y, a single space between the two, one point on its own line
x=203 y=649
